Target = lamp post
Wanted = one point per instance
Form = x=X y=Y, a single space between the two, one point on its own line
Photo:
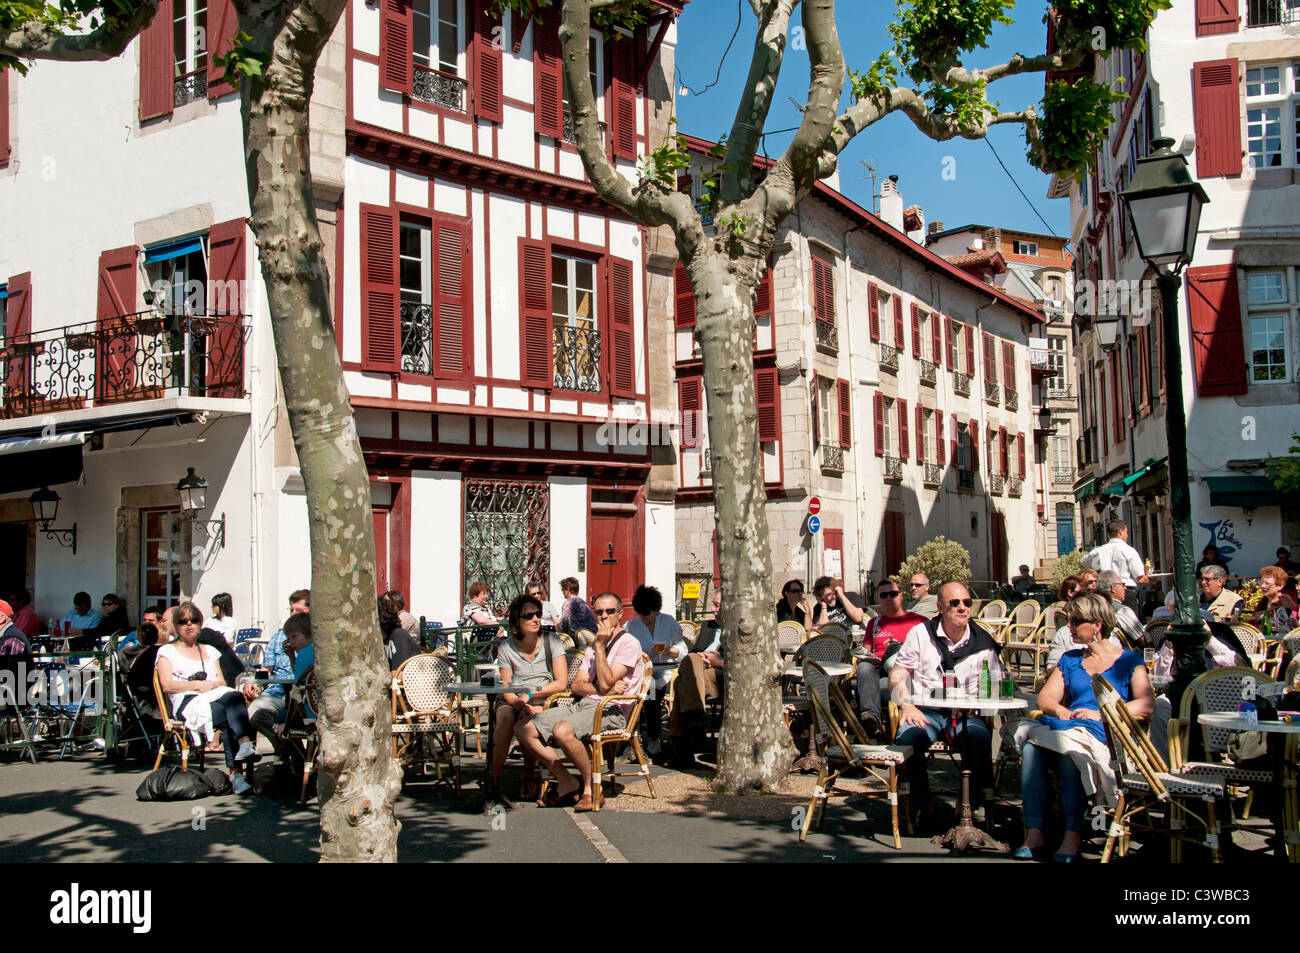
x=1164 y=207
x=193 y=492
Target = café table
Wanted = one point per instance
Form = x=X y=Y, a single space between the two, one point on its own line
x=1233 y=721
x=488 y=798
x=966 y=835
x=833 y=669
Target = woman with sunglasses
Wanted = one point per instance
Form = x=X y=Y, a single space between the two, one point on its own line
x=190 y=675
x=1071 y=725
x=793 y=606
x=535 y=661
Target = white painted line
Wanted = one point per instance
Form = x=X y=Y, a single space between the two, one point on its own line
x=598 y=840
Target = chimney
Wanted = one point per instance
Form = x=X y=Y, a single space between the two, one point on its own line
x=914 y=223
x=891 y=203
x=993 y=239
x=935 y=227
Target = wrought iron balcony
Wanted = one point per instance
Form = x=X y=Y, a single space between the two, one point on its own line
x=929 y=372
x=570 y=135
x=990 y=393
x=893 y=468
x=1063 y=475
x=965 y=479
x=933 y=475
x=1271 y=12
x=828 y=336
x=961 y=383
x=1014 y=486
x=1060 y=393
x=832 y=458
x=417 y=338
x=1011 y=399
x=889 y=358
x=706 y=464
x=577 y=359
x=439 y=89
x=191 y=86
x=996 y=482
x=142 y=356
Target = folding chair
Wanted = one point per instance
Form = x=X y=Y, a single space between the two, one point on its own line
x=426 y=719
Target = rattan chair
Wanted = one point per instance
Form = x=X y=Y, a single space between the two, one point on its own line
x=1027 y=638
x=790 y=635
x=837 y=631
x=689 y=633
x=1156 y=631
x=427 y=725
x=1248 y=635
x=819 y=648
x=173 y=730
x=598 y=739
x=994 y=608
x=1144 y=782
x=839 y=754
x=298 y=732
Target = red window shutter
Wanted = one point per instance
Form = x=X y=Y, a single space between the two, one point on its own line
x=117 y=272
x=900 y=335
x=223 y=24
x=1101 y=403
x=768 y=395
x=1216 y=16
x=684 y=298
x=1009 y=365
x=903 y=441
x=1117 y=393
x=115 y=361
x=623 y=87
x=1218 y=351
x=4 y=118
x=969 y=333
x=823 y=290
x=878 y=406
x=916 y=330
x=973 y=429
x=763 y=298
x=622 y=376
x=1217 y=109
x=453 y=313
x=226 y=281
x=936 y=337
x=18 y=363
x=548 y=77
x=536 y=335
x=157 y=64
x=920 y=434
x=395 y=46
x=873 y=309
x=381 y=346
x=486 y=46
x=950 y=343
x=990 y=368
x=846 y=422
x=1003 y=468
x=690 y=400
x=1020 y=454
x=940 y=443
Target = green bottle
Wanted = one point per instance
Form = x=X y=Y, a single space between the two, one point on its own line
x=986 y=681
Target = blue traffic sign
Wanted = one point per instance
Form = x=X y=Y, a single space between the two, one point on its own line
x=814 y=524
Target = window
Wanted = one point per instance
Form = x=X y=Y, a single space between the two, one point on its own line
x=597 y=64
x=162 y=554
x=439 y=27
x=890 y=445
x=1024 y=248
x=1061 y=451
x=573 y=314
x=887 y=319
x=1272 y=122
x=177 y=272
x=189 y=47
x=1270 y=308
x=827 y=406
x=964 y=446
x=922 y=329
x=1056 y=361
x=414 y=266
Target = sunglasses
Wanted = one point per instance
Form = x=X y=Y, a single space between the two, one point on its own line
x=917 y=585
x=607 y=611
x=954 y=603
x=186 y=620
x=889 y=595
x=795 y=592
x=525 y=616
x=1080 y=620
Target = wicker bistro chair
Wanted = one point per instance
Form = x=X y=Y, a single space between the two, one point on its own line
x=298 y=733
x=790 y=635
x=427 y=726
x=1249 y=635
x=839 y=754
x=835 y=630
x=1156 y=631
x=1032 y=639
x=690 y=631
x=173 y=730
x=994 y=608
x=599 y=738
x=1145 y=782
x=819 y=648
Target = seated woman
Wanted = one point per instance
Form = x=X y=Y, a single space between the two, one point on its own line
x=793 y=606
x=1071 y=723
x=661 y=638
x=191 y=677
x=536 y=661
x=222 y=619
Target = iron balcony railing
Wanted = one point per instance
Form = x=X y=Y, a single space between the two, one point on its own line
x=961 y=383
x=1063 y=475
x=933 y=475
x=1039 y=358
x=996 y=482
x=1060 y=393
x=141 y=356
x=577 y=359
x=1011 y=400
x=828 y=336
x=570 y=134
x=893 y=468
x=1272 y=12
x=417 y=338
x=929 y=372
x=990 y=393
x=1014 y=486
x=832 y=458
x=965 y=479
x=889 y=357
x=439 y=89
x=188 y=88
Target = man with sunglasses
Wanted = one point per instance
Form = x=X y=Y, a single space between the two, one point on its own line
x=949 y=643
x=891 y=626
x=833 y=604
x=924 y=602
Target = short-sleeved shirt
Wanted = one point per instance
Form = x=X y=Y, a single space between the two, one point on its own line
x=75 y=620
x=183 y=666
x=626 y=652
x=301 y=662
x=1078 y=689
x=534 y=672
x=667 y=630
x=882 y=630
x=920 y=656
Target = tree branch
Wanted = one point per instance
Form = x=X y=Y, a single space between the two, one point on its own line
x=1047 y=62
x=43 y=41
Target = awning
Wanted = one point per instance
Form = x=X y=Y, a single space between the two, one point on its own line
x=1120 y=487
x=1156 y=474
x=34 y=462
x=1081 y=493
x=1247 y=492
x=172 y=250
x=4 y=292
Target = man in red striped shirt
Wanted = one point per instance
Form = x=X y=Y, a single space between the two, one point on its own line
x=892 y=625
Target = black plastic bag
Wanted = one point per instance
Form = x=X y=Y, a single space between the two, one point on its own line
x=173 y=784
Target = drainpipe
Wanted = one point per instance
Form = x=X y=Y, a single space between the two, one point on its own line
x=979 y=444
x=857 y=448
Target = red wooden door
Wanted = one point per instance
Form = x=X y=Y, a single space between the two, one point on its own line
x=895 y=542
x=380 y=515
x=614 y=559
x=999 y=536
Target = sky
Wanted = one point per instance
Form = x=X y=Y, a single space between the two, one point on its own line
x=977 y=189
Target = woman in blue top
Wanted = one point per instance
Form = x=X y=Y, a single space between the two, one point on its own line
x=1067 y=701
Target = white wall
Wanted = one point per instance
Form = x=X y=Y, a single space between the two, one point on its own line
x=436 y=540
x=568 y=530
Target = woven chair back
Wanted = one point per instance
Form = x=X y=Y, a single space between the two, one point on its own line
x=690 y=631
x=1220 y=689
x=583 y=637
x=647 y=681
x=573 y=660
x=825 y=729
x=994 y=608
x=164 y=704
x=837 y=631
x=423 y=681
x=1026 y=613
x=1249 y=636
x=1131 y=752
x=823 y=648
x=789 y=635
x=1156 y=632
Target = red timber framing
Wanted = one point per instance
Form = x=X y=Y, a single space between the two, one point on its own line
x=396 y=522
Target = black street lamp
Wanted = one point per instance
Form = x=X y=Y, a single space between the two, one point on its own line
x=193 y=492
x=45 y=508
x=1164 y=207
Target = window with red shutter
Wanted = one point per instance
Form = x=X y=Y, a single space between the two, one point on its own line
x=920 y=434
x=157 y=65
x=900 y=334
x=767 y=392
x=622 y=340
x=878 y=410
x=823 y=290
x=536 y=336
x=1020 y=455
x=1216 y=16
x=18 y=361
x=381 y=345
x=1008 y=365
x=846 y=422
x=940 y=441
x=873 y=309
x=968 y=332
x=683 y=298
x=115 y=377
x=763 y=311
x=548 y=78
x=1217 y=109
x=950 y=342
x=973 y=431
x=396 y=46
x=1117 y=393
x=690 y=400
x=936 y=337
x=223 y=24
x=916 y=330
x=1218 y=350
x=622 y=87
x=903 y=441
x=487 y=55
x=990 y=368
x=452 y=303
x=226 y=274
x=1003 y=467
x=814 y=402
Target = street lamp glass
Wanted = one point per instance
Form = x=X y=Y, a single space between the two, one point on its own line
x=193 y=491
x=45 y=506
x=1107 y=330
x=1164 y=206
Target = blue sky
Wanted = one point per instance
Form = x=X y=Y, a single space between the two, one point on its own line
x=980 y=192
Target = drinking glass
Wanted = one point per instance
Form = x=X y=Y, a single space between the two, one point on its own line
x=1008 y=689
x=949 y=684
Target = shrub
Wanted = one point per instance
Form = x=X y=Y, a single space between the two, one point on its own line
x=1067 y=565
x=943 y=560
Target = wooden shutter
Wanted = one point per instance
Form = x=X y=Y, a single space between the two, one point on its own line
x=916 y=329
x=157 y=65
x=548 y=77
x=990 y=368
x=873 y=309
x=1218 y=351
x=1020 y=454
x=920 y=434
x=936 y=338
x=903 y=440
x=1217 y=110
x=115 y=357
x=1009 y=365
x=18 y=359
x=4 y=118
x=814 y=402
x=223 y=24
x=536 y=337
x=973 y=429
x=878 y=407
x=453 y=312
x=622 y=352
x=622 y=87
x=768 y=395
x=1216 y=16
x=396 y=37
x=900 y=335
x=486 y=51
x=1003 y=455
x=690 y=400
x=940 y=443
x=381 y=346
x=763 y=306
x=683 y=298
x=969 y=333
x=226 y=275
x=1117 y=392
x=846 y=409
x=823 y=290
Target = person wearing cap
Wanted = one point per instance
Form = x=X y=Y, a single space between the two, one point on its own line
x=13 y=640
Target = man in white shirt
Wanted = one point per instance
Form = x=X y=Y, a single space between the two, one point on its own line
x=951 y=642
x=1119 y=557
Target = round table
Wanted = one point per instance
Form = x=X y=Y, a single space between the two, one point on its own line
x=966 y=835
x=833 y=669
x=489 y=796
x=1232 y=721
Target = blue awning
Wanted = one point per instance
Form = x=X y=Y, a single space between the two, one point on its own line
x=4 y=291
x=172 y=250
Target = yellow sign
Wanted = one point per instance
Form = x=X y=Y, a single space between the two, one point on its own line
x=690 y=590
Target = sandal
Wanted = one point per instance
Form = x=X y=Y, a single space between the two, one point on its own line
x=584 y=805
x=529 y=790
x=557 y=800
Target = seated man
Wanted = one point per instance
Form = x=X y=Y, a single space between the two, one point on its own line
x=268 y=707
x=78 y=622
x=925 y=603
x=1023 y=582
x=1127 y=623
x=1221 y=602
x=833 y=605
x=611 y=666
x=892 y=625
x=700 y=679
x=951 y=642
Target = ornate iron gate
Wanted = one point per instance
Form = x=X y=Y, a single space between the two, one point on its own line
x=507 y=538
